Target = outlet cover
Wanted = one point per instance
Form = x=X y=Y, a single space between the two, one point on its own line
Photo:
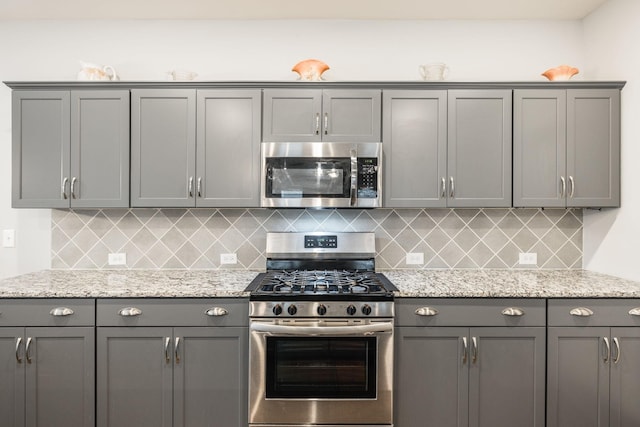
x=228 y=259
x=528 y=258
x=118 y=259
x=415 y=258
x=8 y=238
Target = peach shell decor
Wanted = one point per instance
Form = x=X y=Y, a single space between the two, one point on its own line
x=563 y=72
x=310 y=69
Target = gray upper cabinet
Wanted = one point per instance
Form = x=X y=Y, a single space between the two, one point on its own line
x=566 y=148
x=71 y=149
x=415 y=148
x=335 y=115
x=479 y=148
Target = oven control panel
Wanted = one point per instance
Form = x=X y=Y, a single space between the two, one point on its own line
x=343 y=309
x=320 y=241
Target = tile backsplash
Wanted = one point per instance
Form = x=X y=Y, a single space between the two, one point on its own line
x=195 y=238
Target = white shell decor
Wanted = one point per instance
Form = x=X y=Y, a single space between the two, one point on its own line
x=96 y=72
x=560 y=73
x=310 y=69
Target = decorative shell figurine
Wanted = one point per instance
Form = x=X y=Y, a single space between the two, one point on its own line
x=310 y=69
x=563 y=72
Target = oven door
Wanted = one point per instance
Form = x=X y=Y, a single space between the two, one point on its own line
x=323 y=372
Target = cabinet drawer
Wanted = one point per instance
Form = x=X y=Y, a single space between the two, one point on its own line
x=47 y=312
x=470 y=312
x=594 y=312
x=173 y=312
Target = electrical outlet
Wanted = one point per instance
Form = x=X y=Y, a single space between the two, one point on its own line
x=528 y=258
x=415 y=258
x=9 y=238
x=118 y=259
x=228 y=259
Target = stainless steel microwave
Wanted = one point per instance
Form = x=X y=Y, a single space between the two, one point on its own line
x=321 y=175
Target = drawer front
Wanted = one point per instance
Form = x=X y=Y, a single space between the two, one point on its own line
x=470 y=312
x=173 y=312
x=47 y=312
x=594 y=312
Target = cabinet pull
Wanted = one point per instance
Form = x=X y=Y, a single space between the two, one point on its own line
x=474 y=349
x=216 y=312
x=572 y=187
x=129 y=312
x=616 y=344
x=581 y=312
x=563 y=186
x=444 y=187
x=465 y=350
x=513 y=311
x=61 y=311
x=635 y=311
x=199 y=187
x=18 y=343
x=607 y=349
x=27 y=349
x=326 y=123
x=73 y=187
x=452 y=187
x=177 y=355
x=167 y=355
x=190 y=186
x=426 y=311
x=317 y=123
x=64 y=188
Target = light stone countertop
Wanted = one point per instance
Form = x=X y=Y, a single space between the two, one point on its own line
x=231 y=283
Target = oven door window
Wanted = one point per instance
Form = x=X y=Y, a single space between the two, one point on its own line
x=321 y=367
x=300 y=177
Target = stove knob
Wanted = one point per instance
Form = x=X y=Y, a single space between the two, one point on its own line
x=292 y=309
x=366 y=309
x=277 y=309
x=322 y=310
x=351 y=310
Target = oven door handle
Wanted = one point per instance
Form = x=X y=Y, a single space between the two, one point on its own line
x=371 y=329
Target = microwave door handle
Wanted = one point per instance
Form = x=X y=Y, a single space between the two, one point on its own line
x=353 y=196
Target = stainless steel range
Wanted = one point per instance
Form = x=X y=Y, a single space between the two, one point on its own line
x=321 y=334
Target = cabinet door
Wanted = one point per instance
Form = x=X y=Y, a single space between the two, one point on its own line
x=100 y=148
x=507 y=377
x=351 y=115
x=578 y=377
x=593 y=147
x=134 y=377
x=60 y=386
x=40 y=149
x=12 y=363
x=210 y=377
x=625 y=377
x=539 y=148
x=228 y=149
x=163 y=144
x=415 y=148
x=479 y=148
x=431 y=379
x=292 y=115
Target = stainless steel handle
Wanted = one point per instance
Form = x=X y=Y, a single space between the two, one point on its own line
x=167 y=355
x=581 y=312
x=474 y=349
x=27 y=349
x=190 y=186
x=616 y=343
x=61 y=311
x=64 y=188
x=73 y=187
x=353 y=195
x=513 y=311
x=635 y=311
x=607 y=349
x=465 y=350
x=563 y=186
x=18 y=342
x=444 y=187
x=199 y=187
x=217 y=312
x=317 y=123
x=370 y=329
x=572 y=187
x=452 y=187
x=129 y=312
x=177 y=345
x=326 y=123
x=426 y=311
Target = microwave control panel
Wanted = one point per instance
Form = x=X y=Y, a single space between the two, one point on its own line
x=367 y=177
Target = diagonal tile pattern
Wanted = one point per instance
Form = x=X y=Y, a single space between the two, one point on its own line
x=195 y=238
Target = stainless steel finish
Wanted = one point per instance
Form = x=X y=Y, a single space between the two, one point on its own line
x=317 y=123
x=64 y=188
x=326 y=123
x=190 y=186
x=73 y=187
x=452 y=187
x=282 y=245
x=199 y=187
x=581 y=312
x=309 y=328
x=317 y=425
x=616 y=344
x=217 y=312
x=426 y=311
x=572 y=189
x=129 y=312
x=635 y=311
x=18 y=342
x=354 y=178
x=27 y=349
x=563 y=186
x=444 y=188
x=61 y=311
x=176 y=347
x=513 y=311
x=474 y=349
x=465 y=350
x=167 y=355
x=335 y=309
x=607 y=349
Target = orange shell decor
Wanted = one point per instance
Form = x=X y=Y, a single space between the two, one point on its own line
x=310 y=69
x=563 y=72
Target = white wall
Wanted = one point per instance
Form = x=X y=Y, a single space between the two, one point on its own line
x=612 y=237
x=260 y=50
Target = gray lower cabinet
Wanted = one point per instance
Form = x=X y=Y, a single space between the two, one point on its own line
x=154 y=370
x=566 y=148
x=451 y=374
x=332 y=115
x=70 y=149
x=593 y=363
x=47 y=367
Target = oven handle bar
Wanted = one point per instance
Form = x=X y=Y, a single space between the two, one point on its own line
x=371 y=329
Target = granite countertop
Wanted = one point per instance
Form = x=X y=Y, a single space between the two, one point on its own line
x=231 y=283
